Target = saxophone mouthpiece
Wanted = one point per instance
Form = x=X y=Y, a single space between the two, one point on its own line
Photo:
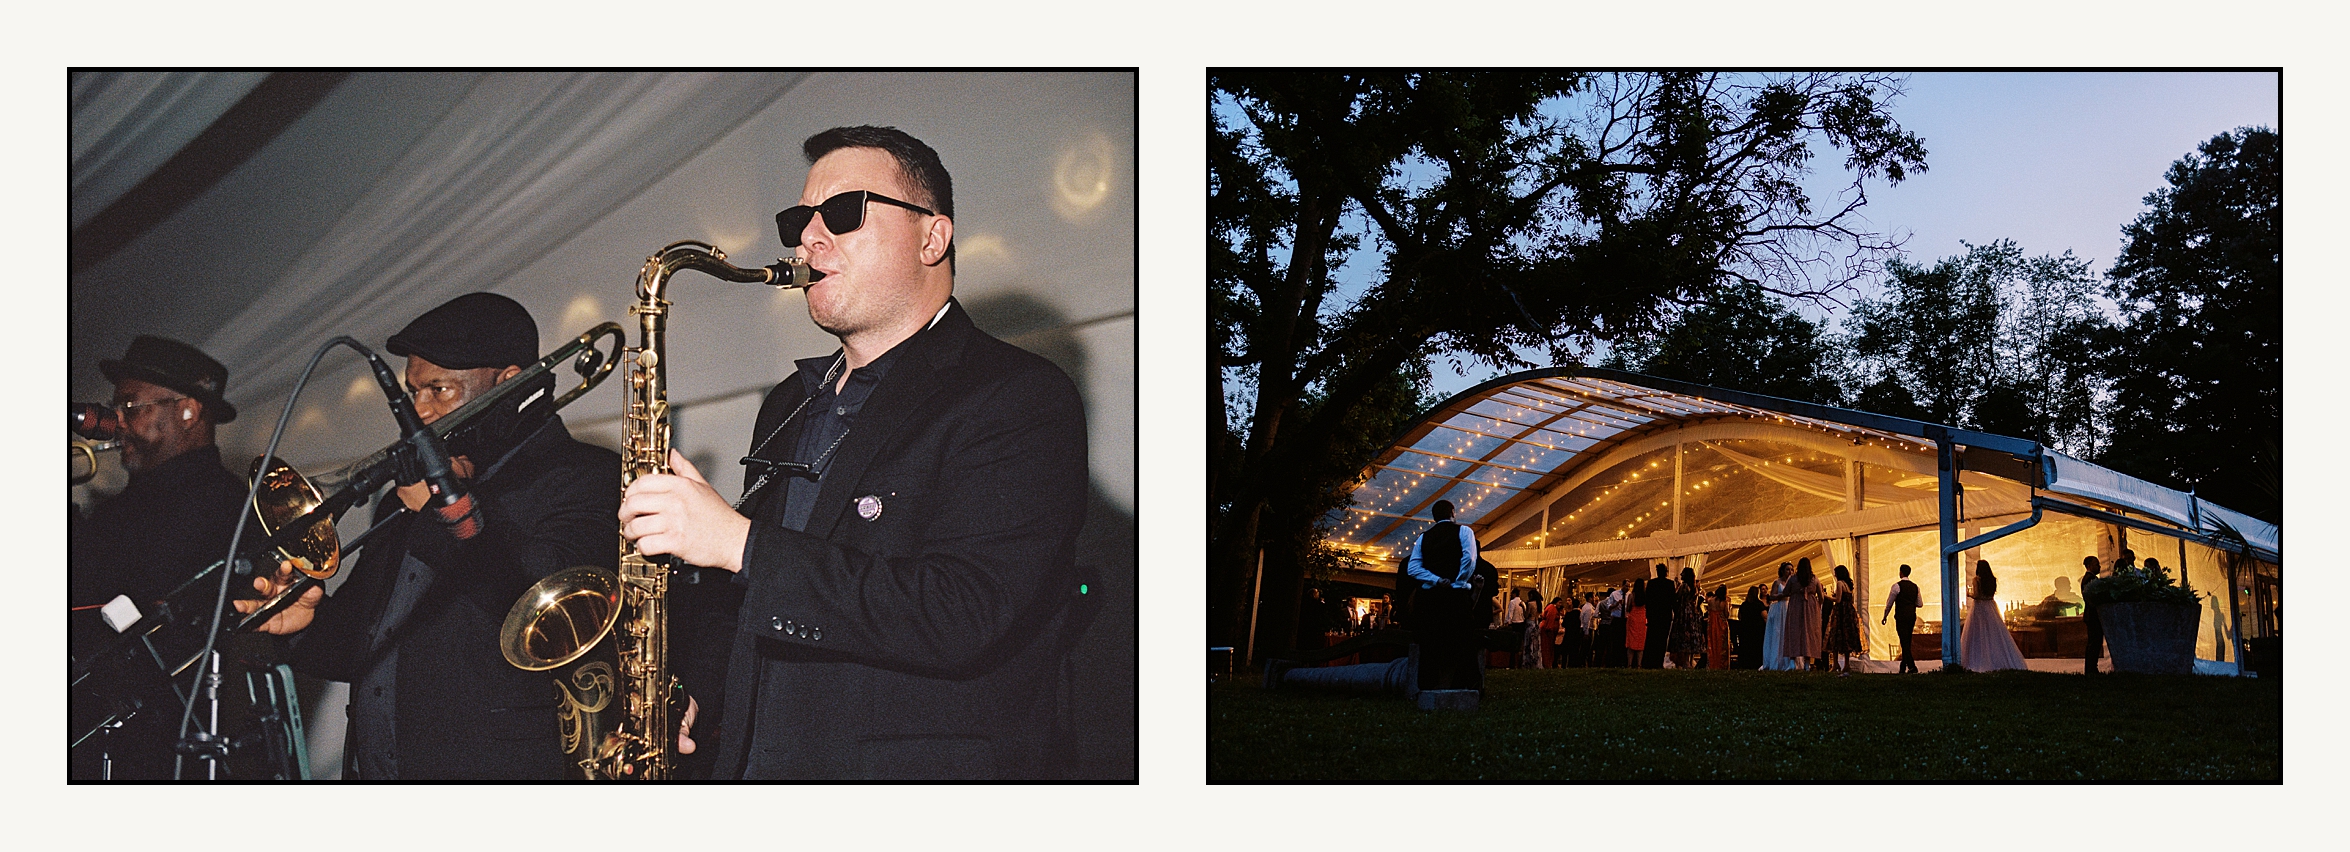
x=792 y=273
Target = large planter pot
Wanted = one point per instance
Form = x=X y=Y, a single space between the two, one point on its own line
x=2151 y=637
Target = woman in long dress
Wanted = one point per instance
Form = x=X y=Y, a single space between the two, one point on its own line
x=1984 y=644
x=1775 y=624
x=1688 y=621
x=1717 y=629
x=1635 y=626
x=1801 y=639
x=1550 y=634
x=1843 y=623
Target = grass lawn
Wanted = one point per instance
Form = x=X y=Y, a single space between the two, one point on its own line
x=1619 y=724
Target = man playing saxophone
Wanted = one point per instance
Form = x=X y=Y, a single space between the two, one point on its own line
x=415 y=629
x=905 y=546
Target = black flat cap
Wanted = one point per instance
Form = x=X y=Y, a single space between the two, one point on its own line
x=175 y=365
x=470 y=332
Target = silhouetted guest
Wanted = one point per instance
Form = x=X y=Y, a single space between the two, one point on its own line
x=1903 y=605
x=1610 y=638
x=1984 y=643
x=1689 y=626
x=1550 y=634
x=1314 y=621
x=1587 y=620
x=1636 y=621
x=1802 y=639
x=2089 y=616
x=1843 y=623
x=1443 y=564
x=1775 y=627
x=1664 y=603
x=1749 y=636
x=1717 y=629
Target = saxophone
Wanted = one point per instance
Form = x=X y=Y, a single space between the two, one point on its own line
x=564 y=619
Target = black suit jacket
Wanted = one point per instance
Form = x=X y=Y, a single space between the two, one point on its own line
x=461 y=711
x=1663 y=600
x=924 y=636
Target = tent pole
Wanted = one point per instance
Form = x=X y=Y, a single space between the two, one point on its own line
x=1256 y=601
x=1946 y=475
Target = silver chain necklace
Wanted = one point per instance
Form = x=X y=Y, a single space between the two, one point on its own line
x=816 y=466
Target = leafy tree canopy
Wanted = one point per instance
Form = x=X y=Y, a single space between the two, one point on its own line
x=1495 y=213
x=1743 y=339
x=2199 y=357
x=1988 y=340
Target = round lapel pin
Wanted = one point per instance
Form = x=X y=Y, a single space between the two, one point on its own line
x=868 y=507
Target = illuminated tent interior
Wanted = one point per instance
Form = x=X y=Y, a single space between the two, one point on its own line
x=1596 y=476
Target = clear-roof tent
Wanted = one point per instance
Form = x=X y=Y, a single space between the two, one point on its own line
x=1500 y=449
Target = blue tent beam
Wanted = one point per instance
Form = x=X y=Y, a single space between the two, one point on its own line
x=2215 y=542
x=2000 y=533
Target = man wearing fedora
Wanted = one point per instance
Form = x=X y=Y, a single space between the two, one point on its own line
x=174 y=518
x=415 y=629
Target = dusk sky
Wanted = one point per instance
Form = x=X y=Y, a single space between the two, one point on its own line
x=2054 y=161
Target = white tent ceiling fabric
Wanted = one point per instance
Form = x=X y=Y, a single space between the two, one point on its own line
x=522 y=162
x=2074 y=476
x=126 y=124
x=394 y=191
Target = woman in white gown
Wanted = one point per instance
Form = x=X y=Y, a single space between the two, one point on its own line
x=1775 y=624
x=1984 y=643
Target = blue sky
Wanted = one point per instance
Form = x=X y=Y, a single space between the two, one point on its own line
x=2052 y=160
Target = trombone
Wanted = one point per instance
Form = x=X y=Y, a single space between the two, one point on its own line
x=299 y=527
x=288 y=501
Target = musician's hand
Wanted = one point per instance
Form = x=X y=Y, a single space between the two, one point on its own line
x=679 y=514
x=413 y=495
x=685 y=744
x=294 y=617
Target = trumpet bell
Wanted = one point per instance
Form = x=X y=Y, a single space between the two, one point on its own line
x=286 y=496
x=560 y=618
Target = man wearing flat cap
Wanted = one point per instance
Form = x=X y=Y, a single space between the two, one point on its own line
x=415 y=629
x=173 y=519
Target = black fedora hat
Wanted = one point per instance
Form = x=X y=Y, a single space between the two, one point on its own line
x=175 y=365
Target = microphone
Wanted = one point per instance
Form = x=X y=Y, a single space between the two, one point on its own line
x=90 y=420
x=450 y=504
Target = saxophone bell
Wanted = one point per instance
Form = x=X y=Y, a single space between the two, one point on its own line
x=606 y=634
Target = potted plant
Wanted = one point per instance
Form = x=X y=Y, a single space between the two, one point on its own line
x=2150 y=622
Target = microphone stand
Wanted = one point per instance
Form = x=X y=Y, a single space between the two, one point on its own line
x=177 y=625
x=202 y=742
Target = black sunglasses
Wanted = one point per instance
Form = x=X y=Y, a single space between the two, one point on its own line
x=842 y=213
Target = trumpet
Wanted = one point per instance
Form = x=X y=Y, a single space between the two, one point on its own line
x=85 y=452
x=93 y=427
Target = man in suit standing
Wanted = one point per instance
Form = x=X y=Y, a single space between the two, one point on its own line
x=1903 y=604
x=1663 y=602
x=925 y=468
x=1443 y=564
x=2096 y=649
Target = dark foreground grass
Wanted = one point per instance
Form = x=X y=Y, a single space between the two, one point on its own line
x=1618 y=724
